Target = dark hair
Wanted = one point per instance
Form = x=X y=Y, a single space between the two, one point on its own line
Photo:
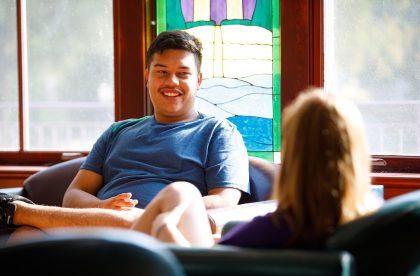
x=177 y=39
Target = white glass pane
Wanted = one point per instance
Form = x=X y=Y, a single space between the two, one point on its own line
x=372 y=55
x=70 y=73
x=9 y=112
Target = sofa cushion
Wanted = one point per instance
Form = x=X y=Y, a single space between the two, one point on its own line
x=386 y=242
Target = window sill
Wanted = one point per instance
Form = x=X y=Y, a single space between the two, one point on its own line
x=396 y=183
x=14 y=176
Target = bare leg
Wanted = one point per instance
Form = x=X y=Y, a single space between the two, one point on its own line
x=45 y=217
x=194 y=223
x=25 y=233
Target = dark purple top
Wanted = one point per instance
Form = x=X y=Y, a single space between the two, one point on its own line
x=260 y=232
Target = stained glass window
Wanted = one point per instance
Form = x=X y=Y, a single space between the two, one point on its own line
x=241 y=63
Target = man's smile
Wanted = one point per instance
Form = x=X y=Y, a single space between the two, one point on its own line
x=171 y=92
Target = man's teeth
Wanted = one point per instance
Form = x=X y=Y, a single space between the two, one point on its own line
x=171 y=94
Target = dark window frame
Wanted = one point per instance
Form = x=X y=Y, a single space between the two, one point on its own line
x=302 y=66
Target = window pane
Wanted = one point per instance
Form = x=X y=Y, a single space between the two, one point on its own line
x=241 y=71
x=372 y=54
x=70 y=73
x=9 y=116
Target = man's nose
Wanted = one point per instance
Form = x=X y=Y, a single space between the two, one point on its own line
x=172 y=79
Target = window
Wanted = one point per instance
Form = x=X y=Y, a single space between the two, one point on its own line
x=372 y=56
x=302 y=65
x=67 y=63
x=9 y=118
x=66 y=97
x=240 y=71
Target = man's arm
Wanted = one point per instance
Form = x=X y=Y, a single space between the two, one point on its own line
x=82 y=193
x=222 y=197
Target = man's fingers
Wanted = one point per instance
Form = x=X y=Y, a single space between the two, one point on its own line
x=124 y=196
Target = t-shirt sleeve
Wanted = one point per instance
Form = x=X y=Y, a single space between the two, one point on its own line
x=260 y=232
x=96 y=157
x=228 y=164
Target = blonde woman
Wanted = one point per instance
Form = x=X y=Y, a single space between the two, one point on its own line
x=323 y=183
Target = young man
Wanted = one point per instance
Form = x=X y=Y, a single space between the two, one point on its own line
x=135 y=159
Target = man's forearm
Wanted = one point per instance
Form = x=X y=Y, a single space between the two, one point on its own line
x=80 y=199
x=217 y=201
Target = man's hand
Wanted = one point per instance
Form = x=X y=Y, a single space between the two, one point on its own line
x=119 y=202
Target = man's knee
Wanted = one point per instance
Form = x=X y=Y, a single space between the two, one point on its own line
x=182 y=189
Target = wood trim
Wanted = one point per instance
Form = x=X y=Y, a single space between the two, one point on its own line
x=397 y=180
x=294 y=49
x=302 y=47
x=37 y=158
x=401 y=164
x=20 y=72
x=396 y=183
x=117 y=62
x=14 y=176
x=130 y=48
x=316 y=41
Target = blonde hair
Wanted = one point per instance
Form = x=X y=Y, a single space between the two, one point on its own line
x=324 y=175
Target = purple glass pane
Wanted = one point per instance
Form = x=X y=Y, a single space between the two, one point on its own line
x=218 y=11
x=187 y=7
x=248 y=8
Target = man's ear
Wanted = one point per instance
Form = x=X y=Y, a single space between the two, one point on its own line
x=146 y=76
x=200 y=79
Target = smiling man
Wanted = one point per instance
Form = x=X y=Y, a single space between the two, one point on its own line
x=177 y=143
x=135 y=159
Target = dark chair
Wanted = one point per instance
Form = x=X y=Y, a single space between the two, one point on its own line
x=386 y=242
x=230 y=260
x=94 y=251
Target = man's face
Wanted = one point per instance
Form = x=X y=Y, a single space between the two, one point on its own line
x=172 y=81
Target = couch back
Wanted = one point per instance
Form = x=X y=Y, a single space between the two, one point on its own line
x=93 y=251
x=48 y=186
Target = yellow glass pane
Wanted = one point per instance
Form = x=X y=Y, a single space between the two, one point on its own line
x=234 y=9
x=254 y=34
x=239 y=51
x=201 y=10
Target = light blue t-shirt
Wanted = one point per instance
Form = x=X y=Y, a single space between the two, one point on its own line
x=142 y=156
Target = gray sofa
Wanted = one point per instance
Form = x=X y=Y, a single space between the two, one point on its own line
x=384 y=243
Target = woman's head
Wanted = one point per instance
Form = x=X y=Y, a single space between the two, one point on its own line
x=325 y=164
